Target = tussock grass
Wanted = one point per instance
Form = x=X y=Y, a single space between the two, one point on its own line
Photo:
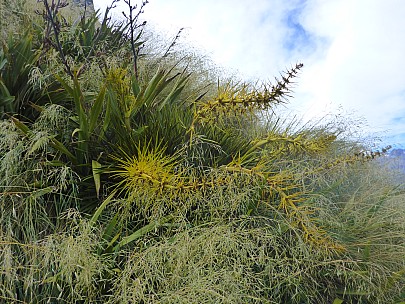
x=248 y=260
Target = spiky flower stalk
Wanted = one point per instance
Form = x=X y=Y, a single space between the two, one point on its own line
x=242 y=99
x=50 y=15
x=132 y=19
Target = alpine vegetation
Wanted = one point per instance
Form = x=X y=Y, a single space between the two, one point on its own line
x=133 y=171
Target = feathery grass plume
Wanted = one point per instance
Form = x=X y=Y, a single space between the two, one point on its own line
x=53 y=117
x=28 y=177
x=74 y=261
x=63 y=266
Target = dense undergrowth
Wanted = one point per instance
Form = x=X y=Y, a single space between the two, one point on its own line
x=130 y=174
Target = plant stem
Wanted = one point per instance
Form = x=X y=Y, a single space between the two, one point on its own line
x=56 y=33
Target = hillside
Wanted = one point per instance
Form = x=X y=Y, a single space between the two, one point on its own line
x=133 y=171
x=89 y=3
x=396 y=158
x=16 y=13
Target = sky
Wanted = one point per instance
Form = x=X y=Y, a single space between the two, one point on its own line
x=352 y=51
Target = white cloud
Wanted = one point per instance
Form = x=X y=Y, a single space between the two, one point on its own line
x=352 y=50
x=363 y=66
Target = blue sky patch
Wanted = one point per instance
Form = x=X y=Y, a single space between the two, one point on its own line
x=297 y=37
x=396 y=140
x=398 y=119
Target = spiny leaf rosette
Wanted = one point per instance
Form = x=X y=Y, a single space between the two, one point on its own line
x=150 y=169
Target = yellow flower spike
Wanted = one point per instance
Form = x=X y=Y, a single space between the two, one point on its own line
x=242 y=98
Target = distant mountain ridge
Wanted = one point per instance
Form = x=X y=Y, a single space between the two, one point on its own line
x=397 y=153
x=83 y=3
x=396 y=158
x=88 y=3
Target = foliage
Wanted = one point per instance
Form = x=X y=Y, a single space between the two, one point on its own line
x=128 y=174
